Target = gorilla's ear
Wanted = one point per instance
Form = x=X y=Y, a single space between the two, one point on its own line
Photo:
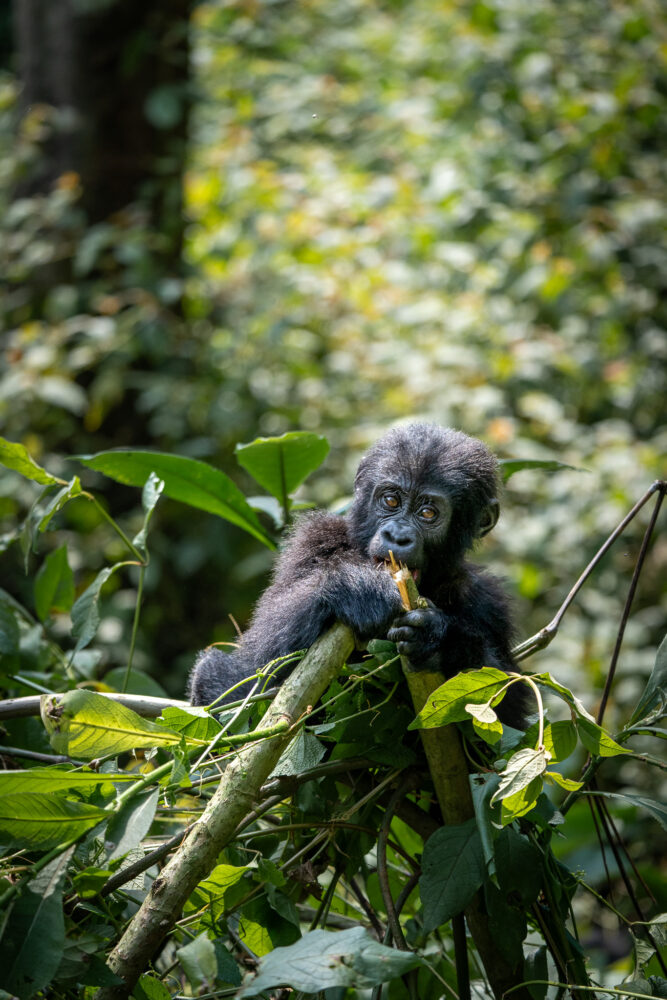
x=489 y=517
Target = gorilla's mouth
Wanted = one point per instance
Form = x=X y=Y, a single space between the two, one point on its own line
x=386 y=564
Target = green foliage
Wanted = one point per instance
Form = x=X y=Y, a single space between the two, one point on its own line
x=302 y=858
x=450 y=211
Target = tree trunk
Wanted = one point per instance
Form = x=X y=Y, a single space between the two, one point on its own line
x=112 y=77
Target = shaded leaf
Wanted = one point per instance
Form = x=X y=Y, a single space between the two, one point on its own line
x=186 y=479
x=452 y=871
x=518 y=865
x=199 y=962
x=32 y=945
x=63 y=496
x=85 y=612
x=128 y=827
x=653 y=703
x=54 y=584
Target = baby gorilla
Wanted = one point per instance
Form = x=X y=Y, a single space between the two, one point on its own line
x=426 y=494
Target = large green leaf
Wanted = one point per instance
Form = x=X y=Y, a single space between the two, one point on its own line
x=32 y=945
x=448 y=702
x=15 y=456
x=321 y=960
x=186 y=479
x=44 y=821
x=510 y=466
x=85 y=725
x=280 y=464
x=52 y=779
x=452 y=871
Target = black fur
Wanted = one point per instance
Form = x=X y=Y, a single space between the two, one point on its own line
x=425 y=493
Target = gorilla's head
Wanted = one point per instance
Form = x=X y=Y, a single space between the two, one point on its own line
x=425 y=493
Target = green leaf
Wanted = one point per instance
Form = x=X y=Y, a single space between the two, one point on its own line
x=560 y=740
x=305 y=751
x=44 y=821
x=15 y=456
x=579 y=708
x=149 y=988
x=10 y=633
x=554 y=778
x=85 y=612
x=448 y=702
x=280 y=464
x=85 y=725
x=452 y=871
x=54 y=584
x=199 y=962
x=521 y=802
x=522 y=768
x=597 y=741
x=52 y=779
x=653 y=703
x=186 y=479
x=63 y=496
x=150 y=495
x=32 y=944
x=518 y=866
x=657 y=809
x=128 y=827
x=321 y=960
x=195 y=724
x=485 y=722
x=536 y=968
x=510 y=466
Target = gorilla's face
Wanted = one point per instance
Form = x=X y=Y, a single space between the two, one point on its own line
x=410 y=522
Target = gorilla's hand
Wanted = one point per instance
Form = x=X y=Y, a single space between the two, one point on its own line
x=419 y=636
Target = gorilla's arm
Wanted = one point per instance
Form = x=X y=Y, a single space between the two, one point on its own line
x=320 y=578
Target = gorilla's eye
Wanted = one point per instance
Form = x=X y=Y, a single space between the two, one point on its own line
x=428 y=513
x=391 y=501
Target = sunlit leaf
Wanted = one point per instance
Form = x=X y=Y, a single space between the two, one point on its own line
x=280 y=464
x=43 y=821
x=15 y=456
x=85 y=725
x=186 y=479
x=448 y=702
x=522 y=768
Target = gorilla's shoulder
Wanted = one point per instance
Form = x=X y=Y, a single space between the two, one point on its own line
x=316 y=537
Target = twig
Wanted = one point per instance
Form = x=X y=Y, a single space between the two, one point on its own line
x=542 y=638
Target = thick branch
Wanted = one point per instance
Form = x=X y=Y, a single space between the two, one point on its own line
x=449 y=773
x=234 y=797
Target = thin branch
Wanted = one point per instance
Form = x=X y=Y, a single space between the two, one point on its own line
x=542 y=638
x=628 y=604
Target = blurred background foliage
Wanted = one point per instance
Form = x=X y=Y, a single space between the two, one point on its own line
x=225 y=219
